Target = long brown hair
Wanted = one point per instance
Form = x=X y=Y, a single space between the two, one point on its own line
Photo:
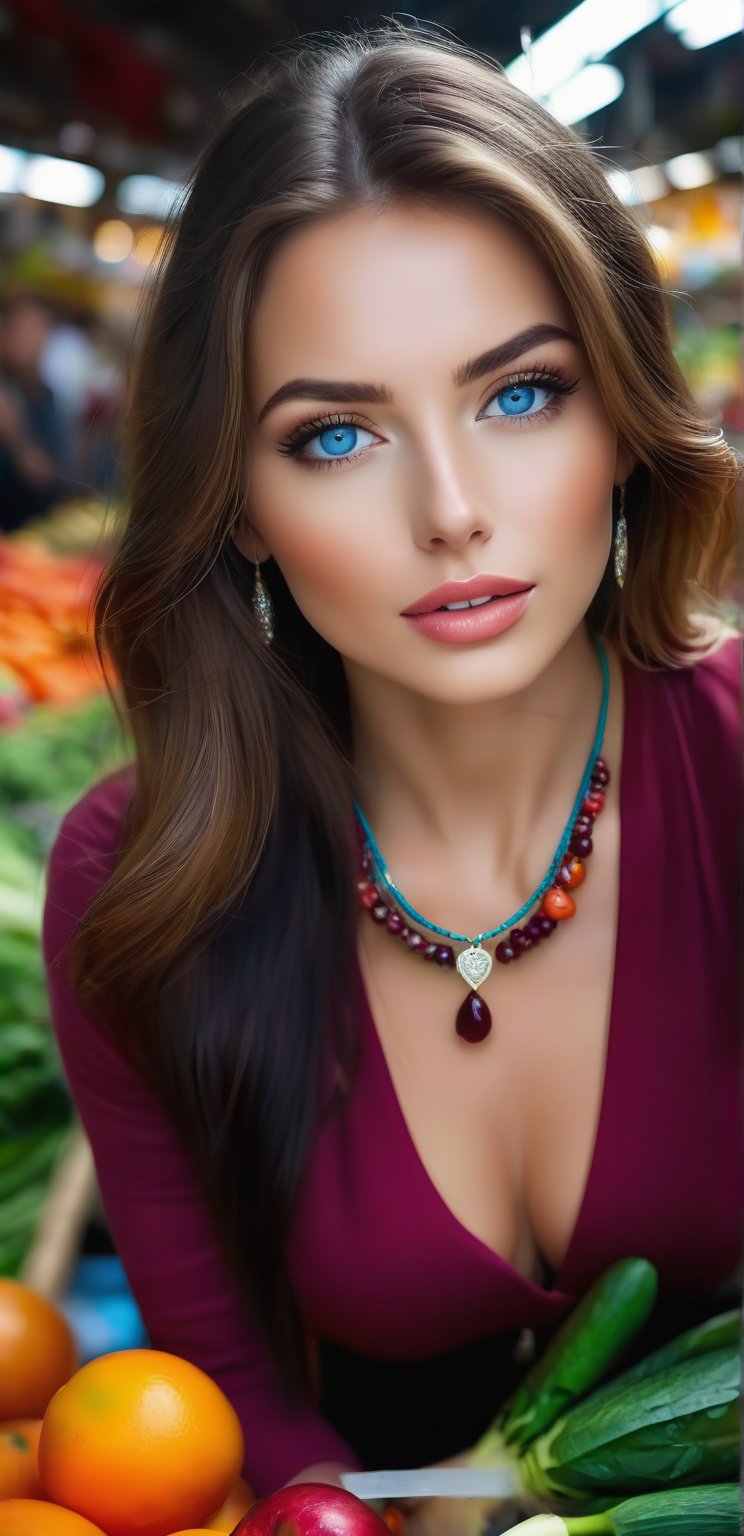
x=212 y=955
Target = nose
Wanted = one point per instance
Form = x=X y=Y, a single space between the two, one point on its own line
x=448 y=507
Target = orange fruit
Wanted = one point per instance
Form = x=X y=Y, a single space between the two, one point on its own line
x=38 y=1352
x=140 y=1442
x=19 y=1470
x=238 y=1502
x=202 y=1530
x=31 y=1517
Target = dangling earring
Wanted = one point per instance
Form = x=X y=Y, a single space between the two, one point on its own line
x=621 y=542
x=263 y=607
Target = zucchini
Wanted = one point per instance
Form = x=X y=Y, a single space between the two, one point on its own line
x=678 y=1426
x=582 y=1349
x=711 y=1511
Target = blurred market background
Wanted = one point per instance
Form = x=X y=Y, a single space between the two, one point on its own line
x=104 y=107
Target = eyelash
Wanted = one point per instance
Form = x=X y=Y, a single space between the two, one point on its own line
x=551 y=378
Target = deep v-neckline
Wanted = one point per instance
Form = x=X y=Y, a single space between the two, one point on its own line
x=557 y=1290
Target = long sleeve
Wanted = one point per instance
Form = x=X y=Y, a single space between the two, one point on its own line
x=160 y=1224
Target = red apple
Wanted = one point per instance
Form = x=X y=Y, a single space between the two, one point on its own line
x=311 y=1509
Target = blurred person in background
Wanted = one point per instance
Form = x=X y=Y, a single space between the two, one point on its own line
x=67 y=365
x=34 y=453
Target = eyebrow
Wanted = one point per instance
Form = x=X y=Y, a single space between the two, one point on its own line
x=349 y=392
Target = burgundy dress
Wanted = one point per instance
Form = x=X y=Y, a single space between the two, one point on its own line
x=415 y=1318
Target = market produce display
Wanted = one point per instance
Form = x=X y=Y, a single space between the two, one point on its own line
x=35 y=1108
x=143 y=1443
x=47 y=760
x=46 y=639
x=58 y=734
x=670 y=1422
x=135 y=1443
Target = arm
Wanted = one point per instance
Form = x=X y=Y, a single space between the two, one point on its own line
x=159 y=1223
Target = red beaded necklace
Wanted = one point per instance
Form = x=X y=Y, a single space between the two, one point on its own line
x=473 y=1021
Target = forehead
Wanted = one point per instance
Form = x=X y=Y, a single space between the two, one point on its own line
x=383 y=290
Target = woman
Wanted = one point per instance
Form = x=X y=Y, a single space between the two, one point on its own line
x=422 y=520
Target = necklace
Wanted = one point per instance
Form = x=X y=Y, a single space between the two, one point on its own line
x=386 y=905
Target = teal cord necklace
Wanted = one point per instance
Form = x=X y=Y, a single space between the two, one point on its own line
x=386 y=904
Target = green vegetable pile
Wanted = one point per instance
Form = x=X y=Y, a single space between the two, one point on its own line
x=654 y=1450
x=46 y=763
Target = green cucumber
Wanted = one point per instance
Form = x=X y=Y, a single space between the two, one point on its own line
x=711 y=1511
x=678 y=1426
x=706 y=1511
x=583 y=1348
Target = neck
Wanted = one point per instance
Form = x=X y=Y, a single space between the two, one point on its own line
x=480 y=792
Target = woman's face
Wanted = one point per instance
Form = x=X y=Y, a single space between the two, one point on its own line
x=390 y=454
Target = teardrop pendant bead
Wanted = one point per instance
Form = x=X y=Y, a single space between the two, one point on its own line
x=473 y=1021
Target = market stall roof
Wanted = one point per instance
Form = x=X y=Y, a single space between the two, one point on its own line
x=128 y=84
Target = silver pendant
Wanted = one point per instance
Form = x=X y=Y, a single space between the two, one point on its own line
x=474 y=965
x=263 y=608
x=621 y=551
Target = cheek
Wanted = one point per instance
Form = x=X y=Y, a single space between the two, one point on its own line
x=323 y=535
x=562 y=483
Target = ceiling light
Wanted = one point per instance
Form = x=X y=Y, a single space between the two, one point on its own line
x=149 y=195
x=593 y=88
x=644 y=185
x=589 y=32
x=702 y=22
x=61 y=181
x=113 y=240
x=686 y=171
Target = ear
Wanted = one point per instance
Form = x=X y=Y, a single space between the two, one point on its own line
x=248 y=541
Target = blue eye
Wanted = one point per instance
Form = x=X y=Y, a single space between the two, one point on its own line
x=334 y=440
x=522 y=399
x=338 y=442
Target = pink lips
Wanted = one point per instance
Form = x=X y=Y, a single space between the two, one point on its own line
x=486 y=585
x=466 y=625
